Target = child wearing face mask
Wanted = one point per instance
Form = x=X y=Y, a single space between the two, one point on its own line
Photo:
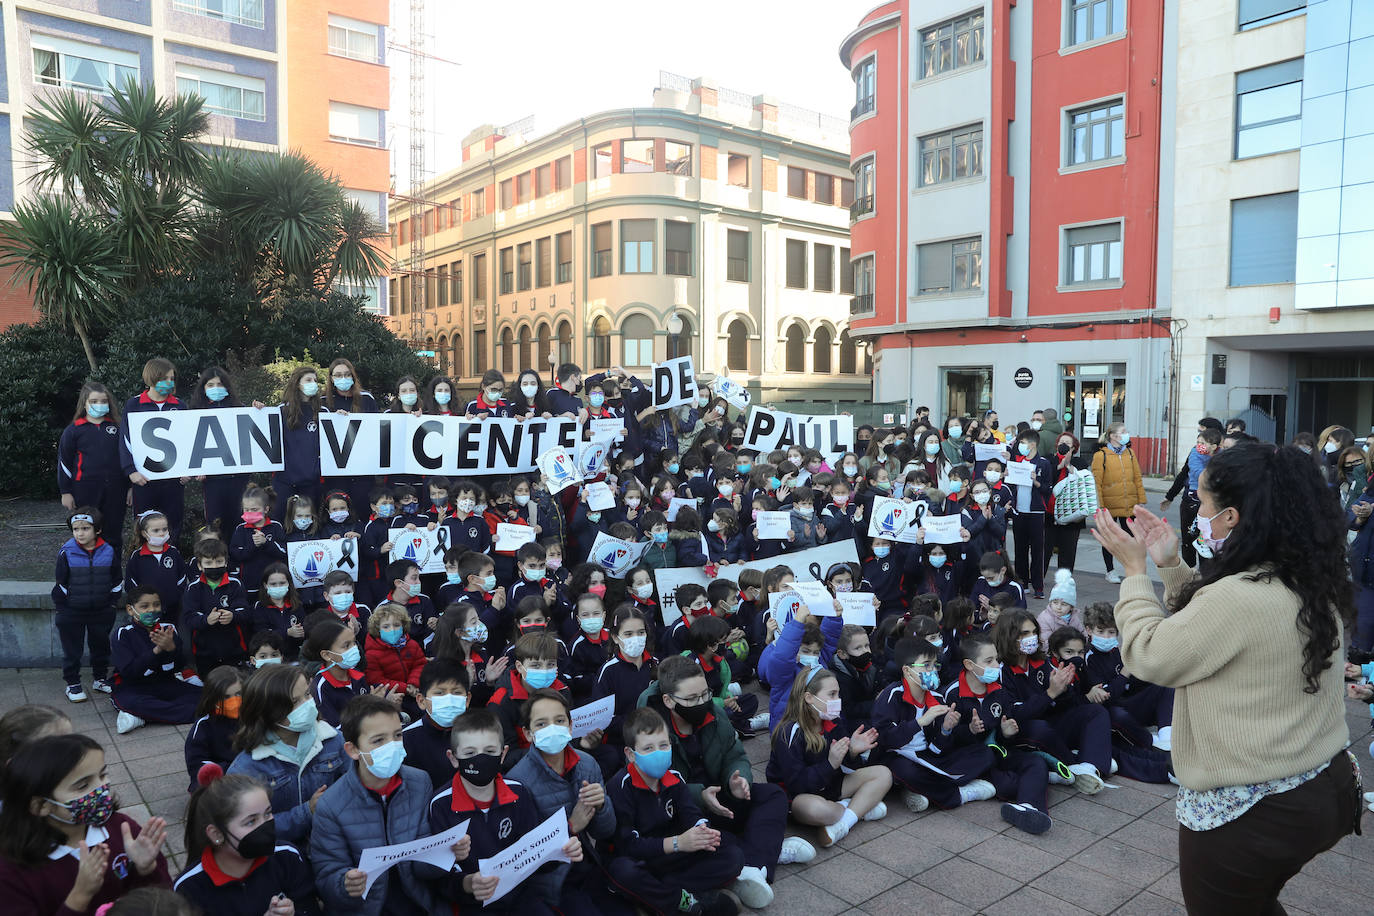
x=339 y=521
x=1062 y=609
x=883 y=576
x=840 y=516
x=374 y=546
x=591 y=647
x=995 y=578
x=1133 y=704
x=856 y=671
x=394 y=660
x=56 y=798
x=157 y=563
x=490 y=400
x=505 y=508
x=662 y=551
x=380 y=800
x=803 y=642
x=986 y=523
x=340 y=600
x=266 y=648
x=335 y=647
x=216 y=611
x=535 y=667
x=531 y=562
x=279 y=609
x=407 y=591
x=631 y=668
x=444 y=696
x=807 y=531
x=235 y=862
x=258 y=542
x=147 y=657
x=211 y=738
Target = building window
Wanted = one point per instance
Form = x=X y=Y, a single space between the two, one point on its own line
x=479 y=352
x=479 y=279
x=74 y=65
x=1092 y=254
x=865 y=88
x=846 y=192
x=823 y=268
x=479 y=203
x=825 y=189
x=636 y=156
x=794 y=353
x=544 y=262
x=737 y=346
x=563 y=246
x=1255 y=13
x=863 y=188
x=524 y=278
x=952 y=155
x=849 y=354
x=637 y=339
x=796 y=182
x=737 y=255
x=948 y=267
x=796 y=264
x=562 y=173
x=355 y=124
x=737 y=170
x=227 y=94
x=601 y=344
x=543 y=179
x=602 y=161
x=457 y=349
x=524 y=187
x=507 y=349
x=1090 y=20
x=1097 y=133
x=565 y=354
x=242 y=12
x=1269 y=109
x=543 y=337
x=507 y=264
x=1264 y=239
x=951 y=45
x=455 y=276
x=636 y=246
x=862 y=274
x=442 y=286
x=601 y=250
x=820 y=352
x=677 y=248
x=354 y=38
x=526 y=361
x=506 y=191
x=846 y=274
x=677 y=158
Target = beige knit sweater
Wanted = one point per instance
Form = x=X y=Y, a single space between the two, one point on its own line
x=1234 y=657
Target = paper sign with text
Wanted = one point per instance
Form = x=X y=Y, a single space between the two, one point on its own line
x=818 y=599
x=990 y=452
x=610 y=427
x=311 y=561
x=600 y=497
x=890 y=517
x=522 y=858
x=773 y=525
x=593 y=716
x=512 y=537
x=191 y=443
x=860 y=608
x=942 y=529
x=437 y=850
x=1021 y=473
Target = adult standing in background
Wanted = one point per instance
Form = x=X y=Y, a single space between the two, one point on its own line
x=1049 y=429
x=1266 y=784
x=1120 y=487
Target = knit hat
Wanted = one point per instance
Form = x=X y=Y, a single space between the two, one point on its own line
x=1065 y=589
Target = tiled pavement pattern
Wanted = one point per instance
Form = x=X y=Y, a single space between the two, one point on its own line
x=1116 y=852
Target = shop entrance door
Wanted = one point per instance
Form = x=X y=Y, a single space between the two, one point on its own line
x=1094 y=397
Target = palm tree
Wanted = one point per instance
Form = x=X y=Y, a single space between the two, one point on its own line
x=357 y=251
x=72 y=264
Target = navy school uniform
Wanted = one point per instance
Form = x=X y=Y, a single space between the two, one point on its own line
x=1003 y=495
x=838 y=521
x=1068 y=731
x=1009 y=586
x=924 y=578
x=700 y=488
x=145 y=681
x=166 y=496
x=644 y=818
x=427 y=744
x=449 y=593
x=251 y=559
x=506 y=702
x=420 y=609
x=722 y=547
x=164 y=571
x=211 y=740
x=333 y=688
x=857 y=686
x=1134 y=703
x=330 y=529
x=372 y=560
x=763 y=549
x=223 y=493
x=585 y=660
x=85 y=585
x=492 y=826
x=471 y=532
x=221 y=643
x=1016 y=775
x=501 y=408
x=883 y=577
x=923 y=758
x=559 y=610
x=355 y=616
x=285 y=871
x=89 y=469
x=564 y=657
x=301 y=455
x=497 y=621
x=801 y=771
x=267 y=616
x=626 y=682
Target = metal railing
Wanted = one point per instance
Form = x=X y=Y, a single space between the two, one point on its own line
x=861 y=206
x=862 y=107
x=861 y=304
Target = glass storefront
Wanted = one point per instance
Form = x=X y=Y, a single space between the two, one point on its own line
x=1092 y=396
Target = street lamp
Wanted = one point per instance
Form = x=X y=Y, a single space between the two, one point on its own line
x=553 y=375
x=674 y=329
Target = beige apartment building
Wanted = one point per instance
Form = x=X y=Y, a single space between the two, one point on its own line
x=711 y=223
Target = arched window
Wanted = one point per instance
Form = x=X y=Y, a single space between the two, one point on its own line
x=868 y=361
x=820 y=352
x=443 y=355
x=795 y=358
x=545 y=341
x=507 y=350
x=637 y=336
x=565 y=342
x=457 y=347
x=737 y=349
x=526 y=360
x=849 y=355
x=601 y=344
x=680 y=344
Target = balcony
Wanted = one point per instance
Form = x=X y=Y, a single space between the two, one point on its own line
x=862 y=206
x=862 y=107
x=861 y=305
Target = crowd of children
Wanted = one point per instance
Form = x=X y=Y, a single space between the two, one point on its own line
x=379 y=708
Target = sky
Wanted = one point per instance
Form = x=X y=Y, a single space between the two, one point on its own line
x=560 y=60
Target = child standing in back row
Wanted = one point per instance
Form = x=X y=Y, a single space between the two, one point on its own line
x=88 y=583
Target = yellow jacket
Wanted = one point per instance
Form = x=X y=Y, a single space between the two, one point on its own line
x=1120 y=487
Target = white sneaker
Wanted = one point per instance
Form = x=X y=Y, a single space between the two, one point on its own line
x=1114 y=577
x=733 y=689
x=796 y=851
x=1086 y=778
x=751 y=887
x=977 y=790
x=758 y=722
x=102 y=685
x=1164 y=740
x=915 y=802
x=878 y=813
x=835 y=832
x=1369 y=798
x=76 y=694
x=127 y=722
x=1061 y=775
x=1114 y=767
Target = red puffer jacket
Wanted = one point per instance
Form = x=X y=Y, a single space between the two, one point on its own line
x=394 y=666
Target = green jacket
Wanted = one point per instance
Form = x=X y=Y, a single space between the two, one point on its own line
x=1049 y=433
x=660 y=556
x=722 y=752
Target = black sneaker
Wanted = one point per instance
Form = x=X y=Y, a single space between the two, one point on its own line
x=1026 y=817
x=715 y=904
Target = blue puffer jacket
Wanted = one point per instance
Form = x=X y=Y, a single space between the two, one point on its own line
x=289 y=783
x=550 y=792
x=87 y=580
x=349 y=819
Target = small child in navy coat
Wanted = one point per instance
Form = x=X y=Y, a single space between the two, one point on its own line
x=147 y=657
x=665 y=855
x=87 y=585
x=883 y=576
x=280 y=610
x=211 y=738
x=157 y=563
x=258 y=542
x=996 y=579
x=216 y=611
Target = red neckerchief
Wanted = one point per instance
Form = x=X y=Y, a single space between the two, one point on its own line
x=83 y=421
x=924 y=702
x=643 y=658
x=1033 y=664
x=827 y=726
x=708 y=663
x=146 y=551
x=329 y=675
x=217 y=875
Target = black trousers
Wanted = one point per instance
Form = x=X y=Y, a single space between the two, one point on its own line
x=1239 y=868
x=1029 y=530
x=1107 y=557
x=1064 y=539
x=78 y=630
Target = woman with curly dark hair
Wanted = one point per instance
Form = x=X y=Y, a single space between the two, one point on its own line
x=1252 y=648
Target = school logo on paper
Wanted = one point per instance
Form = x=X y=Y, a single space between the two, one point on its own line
x=893 y=519
x=612 y=556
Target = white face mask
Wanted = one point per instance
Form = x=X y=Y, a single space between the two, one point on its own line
x=529 y=390
x=992 y=476
x=982 y=497
x=1029 y=644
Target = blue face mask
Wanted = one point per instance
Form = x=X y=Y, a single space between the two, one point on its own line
x=413 y=589
x=774 y=483
x=744 y=468
x=442 y=397
x=489 y=583
x=411 y=508
x=97 y=410
x=386 y=511
x=454 y=578
x=654 y=764
x=551 y=739
x=343 y=384
x=165 y=387
x=1105 y=643
x=596 y=398
x=310 y=389
x=991 y=674
x=350 y=659
x=930 y=680
x=443 y=710
x=277 y=592
x=385 y=761
x=673 y=468
x=939 y=561
x=341 y=601
x=660 y=537
x=396 y=637
x=539 y=678
x=217 y=393
x=302 y=719
x=302 y=523
x=1024 y=449
x=881 y=551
